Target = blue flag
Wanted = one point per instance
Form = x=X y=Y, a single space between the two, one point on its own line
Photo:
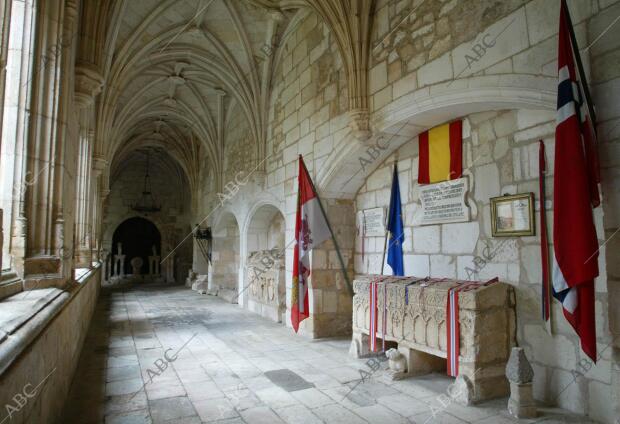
x=396 y=229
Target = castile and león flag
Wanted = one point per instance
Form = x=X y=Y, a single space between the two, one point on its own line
x=311 y=229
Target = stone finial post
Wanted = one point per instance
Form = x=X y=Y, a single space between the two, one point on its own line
x=121 y=260
x=520 y=375
x=136 y=265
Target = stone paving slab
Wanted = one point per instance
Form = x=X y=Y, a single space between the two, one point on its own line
x=288 y=380
x=156 y=354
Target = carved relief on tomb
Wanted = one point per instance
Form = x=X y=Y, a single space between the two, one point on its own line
x=265 y=277
x=422 y=320
x=418 y=322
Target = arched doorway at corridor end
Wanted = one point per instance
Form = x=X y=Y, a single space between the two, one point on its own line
x=138 y=237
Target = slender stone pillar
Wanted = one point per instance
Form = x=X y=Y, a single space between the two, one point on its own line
x=170 y=268
x=105 y=265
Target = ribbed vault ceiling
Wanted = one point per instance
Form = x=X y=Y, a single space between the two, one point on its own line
x=175 y=71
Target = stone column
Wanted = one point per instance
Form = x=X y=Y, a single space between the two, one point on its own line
x=17 y=110
x=121 y=264
x=51 y=135
x=219 y=174
x=96 y=203
x=5 y=20
x=104 y=267
x=116 y=268
x=170 y=268
x=82 y=206
x=88 y=84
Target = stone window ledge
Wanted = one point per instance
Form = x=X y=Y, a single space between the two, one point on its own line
x=10 y=283
x=24 y=315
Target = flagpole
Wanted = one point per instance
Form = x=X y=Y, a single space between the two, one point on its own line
x=384 y=248
x=544 y=244
x=329 y=227
x=582 y=74
x=387 y=225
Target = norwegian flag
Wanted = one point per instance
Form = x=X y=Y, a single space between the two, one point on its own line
x=575 y=264
x=311 y=229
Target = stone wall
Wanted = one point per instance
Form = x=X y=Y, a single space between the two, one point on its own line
x=500 y=157
x=50 y=357
x=493 y=63
x=224 y=278
x=173 y=221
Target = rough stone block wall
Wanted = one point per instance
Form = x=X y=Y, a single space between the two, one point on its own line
x=493 y=63
x=500 y=157
x=173 y=221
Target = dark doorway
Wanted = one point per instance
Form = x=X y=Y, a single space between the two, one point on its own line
x=138 y=236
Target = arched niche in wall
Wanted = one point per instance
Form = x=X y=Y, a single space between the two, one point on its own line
x=352 y=161
x=264 y=274
x=226 y=256
x=266 y=229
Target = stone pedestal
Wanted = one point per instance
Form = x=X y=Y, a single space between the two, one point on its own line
x=191 y=277
x=136 y=265
x=521 y=403
x=119 y=266
x=520 y=374
x=201 y=284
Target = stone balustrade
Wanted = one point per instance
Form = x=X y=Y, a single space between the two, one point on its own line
x=418 y=329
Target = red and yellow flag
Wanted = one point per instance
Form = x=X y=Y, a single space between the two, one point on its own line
x=441 y=153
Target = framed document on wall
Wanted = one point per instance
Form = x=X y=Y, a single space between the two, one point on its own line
x=513 y=215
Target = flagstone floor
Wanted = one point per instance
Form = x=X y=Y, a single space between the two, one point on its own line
x=157 y=354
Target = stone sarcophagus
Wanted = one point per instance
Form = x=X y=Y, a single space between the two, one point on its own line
x=265 y=284
x=411 y=315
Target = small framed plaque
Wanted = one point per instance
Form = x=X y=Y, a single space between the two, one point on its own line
x=513 y=215
x=373 y=221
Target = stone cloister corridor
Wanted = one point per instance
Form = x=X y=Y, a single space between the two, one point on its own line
x=306 y=211
x=232 y=371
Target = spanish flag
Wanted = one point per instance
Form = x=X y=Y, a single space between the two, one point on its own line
x=441 y=153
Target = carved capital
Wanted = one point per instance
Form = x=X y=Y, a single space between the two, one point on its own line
x=276 y=15
x=359 y=122
x=98 y=165
x=104 y=193
x=88 y=83
x=170 y=102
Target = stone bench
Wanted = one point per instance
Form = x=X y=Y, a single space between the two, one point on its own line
x=418 y=329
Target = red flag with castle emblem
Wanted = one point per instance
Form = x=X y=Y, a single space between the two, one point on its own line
x=311 y=229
